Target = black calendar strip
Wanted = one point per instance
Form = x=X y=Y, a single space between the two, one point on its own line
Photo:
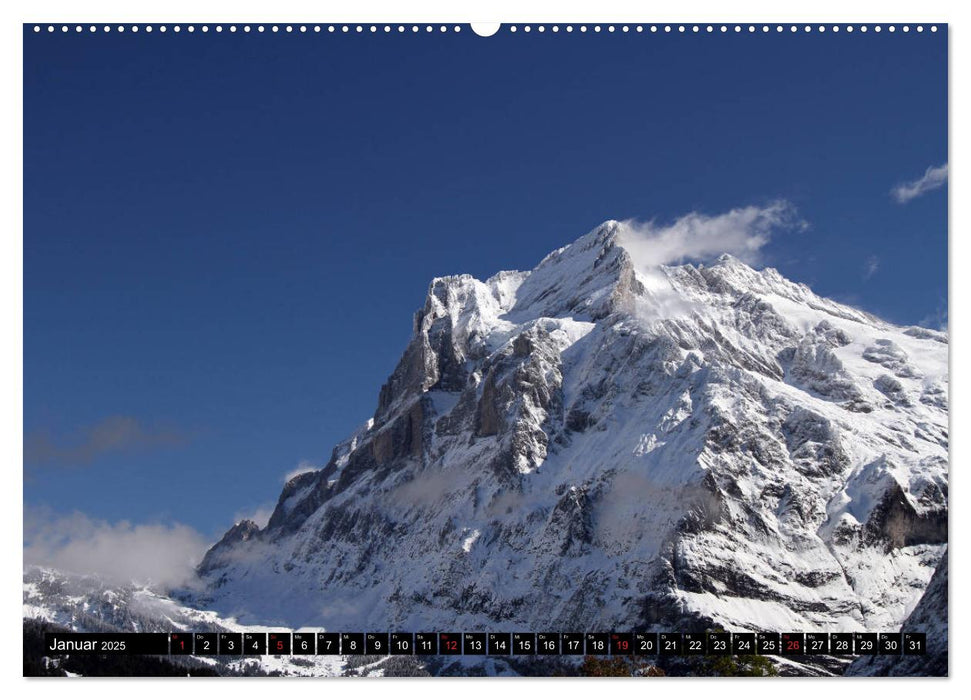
x=285 y=643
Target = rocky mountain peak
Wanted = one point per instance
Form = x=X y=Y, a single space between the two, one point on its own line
x=598 y=443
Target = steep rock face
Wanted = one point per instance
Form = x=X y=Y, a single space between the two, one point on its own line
x=930 y=617
x=597 y=443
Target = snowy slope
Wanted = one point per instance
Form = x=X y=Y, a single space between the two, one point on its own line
x=599 y=443
x=930 y=617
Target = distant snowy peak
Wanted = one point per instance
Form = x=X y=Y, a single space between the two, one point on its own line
x=60 y=600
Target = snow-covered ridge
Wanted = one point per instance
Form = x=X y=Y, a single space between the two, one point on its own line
x=88 y=603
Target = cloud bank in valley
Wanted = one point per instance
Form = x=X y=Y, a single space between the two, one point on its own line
x=741 y=232
x=157 y=554
x=932 y=178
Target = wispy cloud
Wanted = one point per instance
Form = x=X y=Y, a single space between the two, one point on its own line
x=870 y=267
x=162 y=555
x=302 y=468
x=259 y=515
x=936 y=320
x=741 y=232
x=115 y=434
x=932 y=178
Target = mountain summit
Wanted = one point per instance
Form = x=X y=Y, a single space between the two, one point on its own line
x=602 y=444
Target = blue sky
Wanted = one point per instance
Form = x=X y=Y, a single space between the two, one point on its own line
x=226 y=235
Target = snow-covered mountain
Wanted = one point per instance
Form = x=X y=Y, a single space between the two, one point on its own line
x=603 y=444
x=930 y=617
x=91 y=604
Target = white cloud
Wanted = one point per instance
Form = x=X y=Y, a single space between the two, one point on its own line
x=162 y=555
x=932 y=178
x=740 y=232
x=937 y=320
x=259 y=515
x=870 y=267
x=428 y=488
x=302 y=468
